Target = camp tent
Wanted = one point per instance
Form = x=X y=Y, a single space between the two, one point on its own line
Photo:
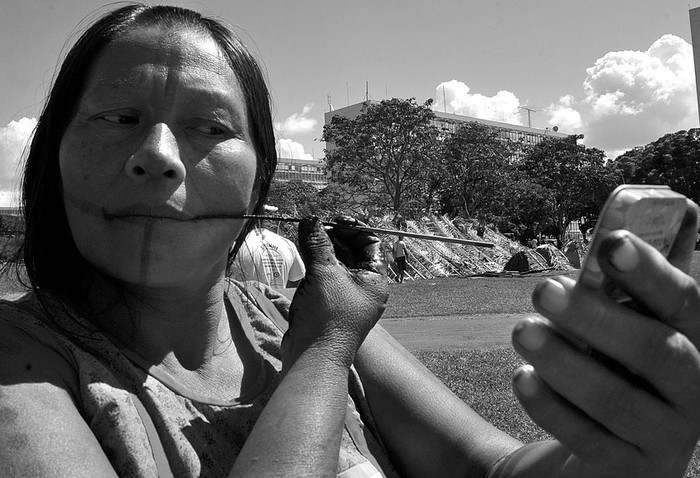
x=554 y=257
x=526 y=261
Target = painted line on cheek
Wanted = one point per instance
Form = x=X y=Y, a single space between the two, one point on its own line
x=146 y=251
x=84 y=206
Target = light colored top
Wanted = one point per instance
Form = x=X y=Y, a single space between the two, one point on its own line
x=399 y=249
x=268 y=258
x=199 y=437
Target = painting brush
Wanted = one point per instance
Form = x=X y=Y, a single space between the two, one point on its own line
x=377 y=230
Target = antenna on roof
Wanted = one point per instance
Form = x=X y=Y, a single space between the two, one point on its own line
x=366 y=90
x=444 y=101
x=529 y=110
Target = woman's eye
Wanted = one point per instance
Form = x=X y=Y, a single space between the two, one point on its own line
x=120 y=119
x=211 y=130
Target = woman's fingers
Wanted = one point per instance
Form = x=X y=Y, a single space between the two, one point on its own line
x=609 y=369
x=606 y=395
x=315 y=246
x=663 y=290
x=593 y=450
x=614 y=422
x=355 y=248
x=663 y=356
x=587 y=439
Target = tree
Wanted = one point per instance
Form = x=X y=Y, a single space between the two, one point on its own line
x=385 y=152
x=574 y=178
x=293 y=198
x=527 y=209
x=673 y=159
x=339 y=199
x=475 y=172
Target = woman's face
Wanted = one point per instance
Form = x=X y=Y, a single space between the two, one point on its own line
x=158 y=154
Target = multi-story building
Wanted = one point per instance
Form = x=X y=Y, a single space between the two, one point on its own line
x=9 y=211
x=447 y=122
x=695 y=39
x=309 y=170
x=313 y=170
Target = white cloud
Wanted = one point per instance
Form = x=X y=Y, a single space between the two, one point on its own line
x=13 y=139
x=564 y=115
x=297 y=123
x=287 y=148
x=456 y=96
x=635 y=97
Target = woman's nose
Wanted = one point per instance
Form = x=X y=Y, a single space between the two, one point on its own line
x=157 y=158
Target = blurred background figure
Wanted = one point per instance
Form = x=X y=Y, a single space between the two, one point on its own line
x=400 y=258
x=269 y=258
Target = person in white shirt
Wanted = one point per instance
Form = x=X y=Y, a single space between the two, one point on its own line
x=269 y=258
x=399 y=250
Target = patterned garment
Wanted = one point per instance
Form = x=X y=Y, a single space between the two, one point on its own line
x=268 y=258
x=200 y=438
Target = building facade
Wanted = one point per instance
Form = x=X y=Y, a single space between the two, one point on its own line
x=695 y=39
x=309 y=170
x=447 y=123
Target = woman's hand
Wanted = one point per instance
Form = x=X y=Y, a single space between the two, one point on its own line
x=618 y=388
x=342 y=295
x=300 y=430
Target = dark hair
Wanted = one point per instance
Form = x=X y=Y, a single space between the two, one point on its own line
x=51 y=258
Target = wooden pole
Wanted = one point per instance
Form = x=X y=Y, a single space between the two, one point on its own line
x=377 y=230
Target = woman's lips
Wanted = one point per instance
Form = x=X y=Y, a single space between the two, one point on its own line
x=149 y=212
x=166 y=212
x=141 y=211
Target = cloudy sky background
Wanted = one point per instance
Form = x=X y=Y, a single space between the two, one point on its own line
x=619 y=72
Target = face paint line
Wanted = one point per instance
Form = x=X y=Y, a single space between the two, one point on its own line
x=146 y=251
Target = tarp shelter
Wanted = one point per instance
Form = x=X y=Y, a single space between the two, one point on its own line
x=526 y=261
x=554 y=257
x=572 y=251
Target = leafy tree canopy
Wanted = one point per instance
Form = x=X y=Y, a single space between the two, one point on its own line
x=673 y=159
x=293 y=198
x=475 y=172
x=385 y=152
x=574 y=178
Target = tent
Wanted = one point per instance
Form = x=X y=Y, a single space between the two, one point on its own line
x=526 y=261
x=554 y=257
x=574 y=251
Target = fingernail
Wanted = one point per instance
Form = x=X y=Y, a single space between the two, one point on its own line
x=624 y=255
x=530 y=335
x=552 y=297
x=525 y=381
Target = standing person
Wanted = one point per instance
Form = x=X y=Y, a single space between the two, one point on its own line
x=399 y=251
x=269 y=258
x=134 y=355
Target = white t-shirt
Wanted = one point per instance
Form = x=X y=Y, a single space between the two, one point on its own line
x=399 y=249
x=268 y=258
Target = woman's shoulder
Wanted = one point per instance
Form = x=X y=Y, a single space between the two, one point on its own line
x=22 y=313
x=39 y=391
x=31 y=351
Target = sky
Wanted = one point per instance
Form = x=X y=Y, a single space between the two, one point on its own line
x=620 y=72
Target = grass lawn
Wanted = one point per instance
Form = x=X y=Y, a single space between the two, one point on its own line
x=480 y=374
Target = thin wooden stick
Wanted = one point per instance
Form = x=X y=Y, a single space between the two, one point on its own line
x=392 y=232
